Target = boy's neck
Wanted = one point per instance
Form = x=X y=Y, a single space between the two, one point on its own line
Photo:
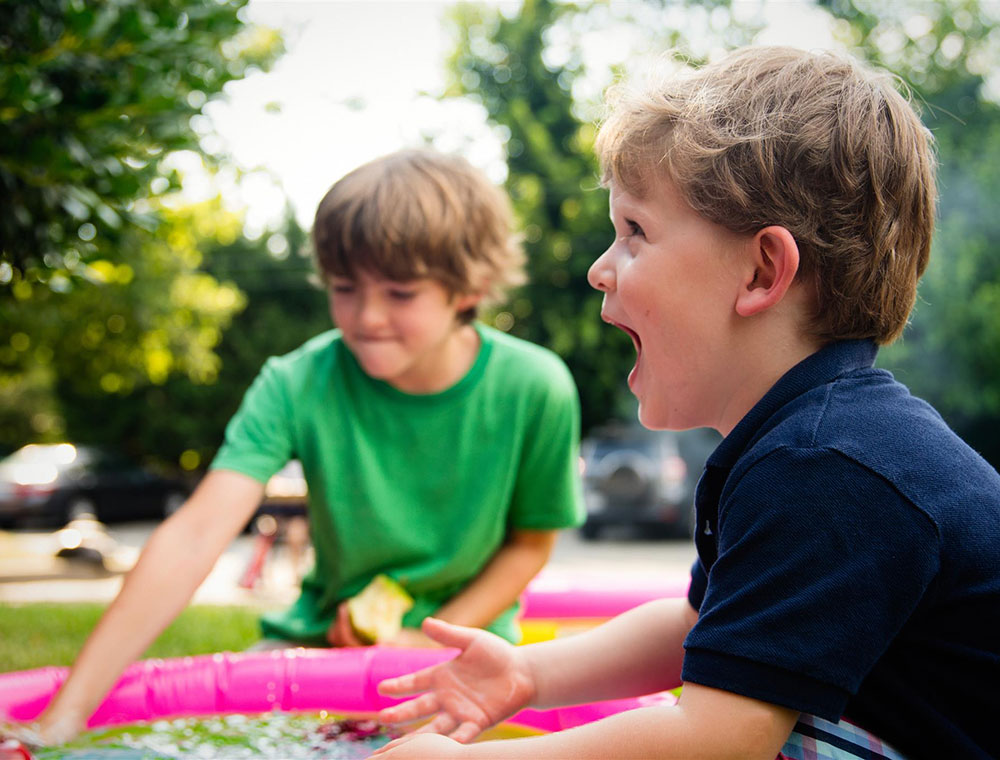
x=763 y=360
x=452 y=362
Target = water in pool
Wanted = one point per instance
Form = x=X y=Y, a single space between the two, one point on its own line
x=289 y=736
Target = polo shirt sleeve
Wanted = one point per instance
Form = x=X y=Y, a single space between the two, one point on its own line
x=547 y=492
x=258 y=439
x=820 y=563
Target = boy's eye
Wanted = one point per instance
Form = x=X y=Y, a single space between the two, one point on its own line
x=341 y=288
x=634 y=229
x=402 y=295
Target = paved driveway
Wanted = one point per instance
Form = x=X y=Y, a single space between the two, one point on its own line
x=28 y=572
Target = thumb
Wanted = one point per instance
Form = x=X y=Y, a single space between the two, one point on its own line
x=449 y=635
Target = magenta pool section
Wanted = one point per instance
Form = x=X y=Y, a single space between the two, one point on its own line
x=338 y=680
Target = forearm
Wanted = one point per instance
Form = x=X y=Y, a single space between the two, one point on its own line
x=148 y=601
x=176 y=559
x=501 y=582
x=665 y=733
x=638 y=652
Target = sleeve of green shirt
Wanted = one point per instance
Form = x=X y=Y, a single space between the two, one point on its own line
x=258 y=439
x=547 y=494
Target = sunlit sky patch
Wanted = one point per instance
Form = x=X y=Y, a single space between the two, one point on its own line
x=360 y=78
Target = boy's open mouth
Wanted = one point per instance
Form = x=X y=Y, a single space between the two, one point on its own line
x=632 y=334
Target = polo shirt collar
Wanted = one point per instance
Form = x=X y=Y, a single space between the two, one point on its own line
x=830 y=362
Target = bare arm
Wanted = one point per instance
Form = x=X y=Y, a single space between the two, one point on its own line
x=176 y=559
x=502 y=580
x=638 y=652
x=707 y=724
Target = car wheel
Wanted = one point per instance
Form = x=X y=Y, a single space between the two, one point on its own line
x=590 y=531
x=81 y=508
x=173 y=501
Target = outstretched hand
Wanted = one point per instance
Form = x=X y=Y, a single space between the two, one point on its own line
x=489 y=681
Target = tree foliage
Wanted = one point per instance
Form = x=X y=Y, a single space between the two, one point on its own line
x=93 y=98
x=948 y=52
x=529 y=72
x=182 y=419
x=554 y=186
x=102 y=289
x=527 y=75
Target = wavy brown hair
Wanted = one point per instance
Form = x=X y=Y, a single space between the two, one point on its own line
x=418 y=213
x=813 y=142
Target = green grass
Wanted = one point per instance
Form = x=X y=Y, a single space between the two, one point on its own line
x=35 y=635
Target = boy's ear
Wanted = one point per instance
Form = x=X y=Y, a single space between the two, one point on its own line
x=466 y=301
x=774 y=260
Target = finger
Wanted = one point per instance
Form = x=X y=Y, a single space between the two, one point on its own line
x=421 y=707
x=411 y=683
x=466 y=732
x=442 y=724
x=333 y=633
x=391 y=745
x=345 y=635
x=450 y=635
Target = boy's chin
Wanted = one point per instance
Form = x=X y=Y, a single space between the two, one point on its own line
x=648 y=419
x=651 y=420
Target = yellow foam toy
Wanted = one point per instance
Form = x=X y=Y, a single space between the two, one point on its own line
x=377 y=611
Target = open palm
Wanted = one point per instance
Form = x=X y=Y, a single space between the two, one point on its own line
x=488 y=682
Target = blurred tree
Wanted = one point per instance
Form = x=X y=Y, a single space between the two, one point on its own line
x=949 y=54
x=101 y=291
x=553 y=183
x=183 y=418
x=93 y=98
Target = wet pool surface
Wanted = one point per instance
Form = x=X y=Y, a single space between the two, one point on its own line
x=273 y=735
x=288 y=736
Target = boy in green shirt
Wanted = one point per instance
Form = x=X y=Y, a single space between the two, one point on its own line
x=437 y=451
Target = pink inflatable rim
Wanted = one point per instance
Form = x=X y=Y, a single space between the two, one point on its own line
x=300 y=680
x=579 y=594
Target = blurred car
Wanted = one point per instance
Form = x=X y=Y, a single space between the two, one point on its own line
x=642 y=479
x=52 y=484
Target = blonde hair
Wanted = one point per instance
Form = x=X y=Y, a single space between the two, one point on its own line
x=419 y=213
x=812 y=142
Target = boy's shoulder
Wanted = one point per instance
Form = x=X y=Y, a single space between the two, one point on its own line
x=320 y=348
x=530 y=361
x=872 y=422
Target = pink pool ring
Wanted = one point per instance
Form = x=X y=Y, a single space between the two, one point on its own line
x=560 y=594
x=337 y=680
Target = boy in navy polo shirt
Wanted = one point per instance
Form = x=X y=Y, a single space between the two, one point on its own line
x=773 y=213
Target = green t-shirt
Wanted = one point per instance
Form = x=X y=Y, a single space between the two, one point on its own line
x=423 y=488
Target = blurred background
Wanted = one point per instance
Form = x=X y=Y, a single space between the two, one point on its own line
x=161 y=160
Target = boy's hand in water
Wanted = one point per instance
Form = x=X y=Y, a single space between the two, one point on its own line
x=489 y=681
x=43 y=732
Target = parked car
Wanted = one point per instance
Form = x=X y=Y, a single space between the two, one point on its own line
x=52 y=484
x=643 y=479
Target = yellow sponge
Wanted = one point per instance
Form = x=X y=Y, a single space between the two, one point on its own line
x=377 y=611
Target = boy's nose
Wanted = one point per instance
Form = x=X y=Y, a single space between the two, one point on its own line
x=371 y=312
x=601 y=274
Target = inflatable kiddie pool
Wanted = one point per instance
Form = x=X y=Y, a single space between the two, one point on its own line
x=339 y=680
x=562 y=601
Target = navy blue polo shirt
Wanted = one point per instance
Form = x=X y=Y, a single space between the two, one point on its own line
x=849 y=561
